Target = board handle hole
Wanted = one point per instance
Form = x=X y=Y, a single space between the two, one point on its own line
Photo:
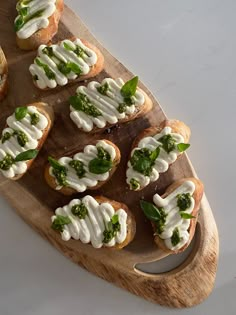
x=171 y=262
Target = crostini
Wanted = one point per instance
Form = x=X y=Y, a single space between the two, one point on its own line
x=3 y=75
x=25 y=132
x=89 y=169
x=154 y=150
x=96 y=220
x=70 y=60
x=37 y=22
x=174 y=214
x=101 y=105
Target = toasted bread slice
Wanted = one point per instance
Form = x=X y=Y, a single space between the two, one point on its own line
x=3 y=75
x=44 y=35
x=91 y=124
x=51 y=180
x=94 y=70
x=83 y=221
x=197 y=196
x=176 y=127
x=47 y=111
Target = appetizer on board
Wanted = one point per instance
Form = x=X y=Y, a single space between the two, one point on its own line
x=154 y=150
x=174 y=214
x=96 y=220
x=37 y=22
x=98 y=106
x=25 y=132
x=70 y=60
x=89 y=169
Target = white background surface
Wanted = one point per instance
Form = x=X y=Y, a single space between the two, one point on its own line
x=184 y=51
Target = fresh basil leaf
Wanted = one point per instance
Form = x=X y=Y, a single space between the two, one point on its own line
x=59 y=222
x=18 y=23
x=20 y=112
x=183 y=147
x=98 y=166
x=154 y=155
x=68 y=47
x=27 y=155
x=150 y=211
x=49 y=73
x=23 y=11
x=115 y=219
x=74 y=67
x=129 y=88
x=55 y=164
x=185 y=215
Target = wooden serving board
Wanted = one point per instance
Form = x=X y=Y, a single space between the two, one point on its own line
x=35 y=202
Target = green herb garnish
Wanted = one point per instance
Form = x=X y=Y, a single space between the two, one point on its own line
x=82 y=103
x=103 y=89
x=134 y=184
x=103 y=154
x=79 y=210
x=6 y=136
x=143 y=160
x=49 y=73
x=122 y=108
x=7 y=162
x=183 y=147
x=175 y=238
x=79 y=51
x=184 y=201
x=34 y=118
x=48 y=50
x=59 y=171
x=23 y=19
x=20 y=112
x=59 y=222
x=113 y=227
x=21 y=137
x=150 y=211
x=27 y=155
x=68 y=67
x=168 y=143
x=129 y=88
x=78 y=166
x=185 y=215
x=155 y=214
x=99 y=166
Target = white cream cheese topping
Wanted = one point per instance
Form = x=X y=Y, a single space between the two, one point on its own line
x=89 y=179
x=59 y=63
x=35 y=14
x=174 y=219
x=162 y=162
x=107 y=104
x=12 y=147
x=92 y=227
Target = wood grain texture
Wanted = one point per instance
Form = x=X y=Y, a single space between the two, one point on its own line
x=185 y=286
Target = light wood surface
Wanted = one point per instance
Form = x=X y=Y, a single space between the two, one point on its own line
x=35 y=202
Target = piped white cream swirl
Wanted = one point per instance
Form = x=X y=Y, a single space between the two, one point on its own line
x=162 y=162
x=89 y=179
x=46 y=7
x=174 y=219
x=92 y=227
x=11 y=146
x=61 y=54
x=106 y=104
